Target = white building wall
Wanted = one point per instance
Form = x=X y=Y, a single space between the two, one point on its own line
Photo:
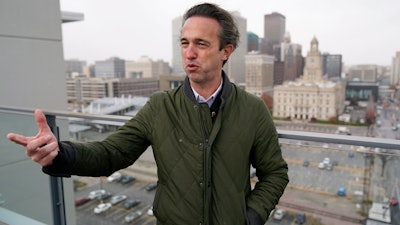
x=32 y=73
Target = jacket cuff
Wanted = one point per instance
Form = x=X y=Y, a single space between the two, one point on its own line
x=63 y=162
x=253 y=217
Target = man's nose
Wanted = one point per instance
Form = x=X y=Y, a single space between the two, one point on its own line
x=190 y=52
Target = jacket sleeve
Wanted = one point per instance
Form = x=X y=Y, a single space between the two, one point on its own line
x=62 y=163
x=271 y=168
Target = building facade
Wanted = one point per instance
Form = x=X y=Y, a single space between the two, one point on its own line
x=253 y=42
x=111 y=68
x=311 y=96
x=332 y=65
x=32 y=72
x=145 y=67
x=274 y=31
x=395 y=70
x=363 y=73
x=74 y=67
x=259 y=73
x=81 y=91
x=291 y=56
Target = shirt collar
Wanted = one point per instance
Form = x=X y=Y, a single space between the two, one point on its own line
x=211 y=99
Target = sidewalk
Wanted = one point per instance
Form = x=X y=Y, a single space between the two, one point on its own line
x=331 y=210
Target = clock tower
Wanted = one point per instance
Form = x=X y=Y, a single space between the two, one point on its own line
x=313 y=64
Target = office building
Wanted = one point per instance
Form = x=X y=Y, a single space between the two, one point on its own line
x=395 y=70
x=363 y=73
x=145 y=67
x=111 y=68
x=168 y=82
x=311 y=96
x=291 y=56
x=177 y=68
x=332 y=65
x=253 y=42
x=235 y=67
x=274 y=31
x=81 y=91
x=74 y=67
x=259 y=73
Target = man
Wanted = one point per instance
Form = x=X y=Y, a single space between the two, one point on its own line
x=205 y=134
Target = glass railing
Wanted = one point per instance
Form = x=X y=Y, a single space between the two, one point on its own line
x=333 y=177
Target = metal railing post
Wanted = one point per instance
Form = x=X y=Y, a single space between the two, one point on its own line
x=56 y=183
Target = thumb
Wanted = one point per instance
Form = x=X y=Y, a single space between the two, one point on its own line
x=41 y=121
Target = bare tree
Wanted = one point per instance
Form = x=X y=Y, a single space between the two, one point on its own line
x=268 y=101
x=370 y=116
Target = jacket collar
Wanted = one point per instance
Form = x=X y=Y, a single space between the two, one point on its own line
x=226 y=88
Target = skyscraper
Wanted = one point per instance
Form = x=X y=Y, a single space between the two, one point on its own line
x=395 y=74
x=274 y=30
x=112 y=68
x=332 y=65
x=253 y=42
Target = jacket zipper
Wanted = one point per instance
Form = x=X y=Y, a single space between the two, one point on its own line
x=206 y=170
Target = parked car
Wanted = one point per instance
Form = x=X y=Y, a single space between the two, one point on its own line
x=104 y=196
x=326 y=161
x=151 y=186
x=329 y=166
x=126 y=179
x=150 y=211
x=117 y=199
x=114 y=177
x=96 y=193
x=321 y=165
x=102 y=207
x=341 y=191
x=82 y=201
x=300 y=218
x=279 y=214
x=133 y=216
x=306 y=163
x=131 y=203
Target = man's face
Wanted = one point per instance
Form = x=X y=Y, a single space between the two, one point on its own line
x=201 y=57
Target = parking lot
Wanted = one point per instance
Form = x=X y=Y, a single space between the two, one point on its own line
x=116 y=214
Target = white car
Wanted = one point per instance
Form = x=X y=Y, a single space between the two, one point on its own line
x=150 y=211
x=96 y=193
x=117 y=199
x=102 y=207
x=326 y=161
x=114 y=177
x=133 y=216
x=279 y=214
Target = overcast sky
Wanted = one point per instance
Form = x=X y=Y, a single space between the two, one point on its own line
x=362 y=31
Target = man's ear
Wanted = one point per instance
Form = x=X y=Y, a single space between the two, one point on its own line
x=227 y=51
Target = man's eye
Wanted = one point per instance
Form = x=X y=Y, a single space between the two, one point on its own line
x=184 y=43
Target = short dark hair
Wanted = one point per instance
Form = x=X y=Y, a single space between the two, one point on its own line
x=229 y=33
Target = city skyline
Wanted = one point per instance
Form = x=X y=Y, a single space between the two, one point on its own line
x=363 y=32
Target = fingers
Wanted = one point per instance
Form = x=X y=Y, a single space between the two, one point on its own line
x=41 y=121
x=43 y=155
x=18 y=139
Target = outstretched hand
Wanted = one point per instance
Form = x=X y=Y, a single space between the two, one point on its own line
x=43 y=147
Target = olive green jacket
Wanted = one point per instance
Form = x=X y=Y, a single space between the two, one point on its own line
x=203 y=166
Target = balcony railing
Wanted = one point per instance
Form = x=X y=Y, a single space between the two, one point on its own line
x=364 y=174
